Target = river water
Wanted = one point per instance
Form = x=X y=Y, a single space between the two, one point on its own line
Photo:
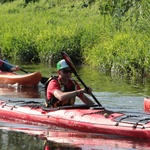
x=113 y=92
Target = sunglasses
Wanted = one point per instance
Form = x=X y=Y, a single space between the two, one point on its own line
x=66 y=71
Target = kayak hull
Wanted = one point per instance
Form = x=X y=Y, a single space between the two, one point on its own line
x=31 y=79
x=147 y=104
x=99 y=121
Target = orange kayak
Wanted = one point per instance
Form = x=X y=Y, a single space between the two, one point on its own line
x=147 y=104
x=31 y=79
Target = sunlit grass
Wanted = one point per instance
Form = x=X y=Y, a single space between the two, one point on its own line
x=112 y=40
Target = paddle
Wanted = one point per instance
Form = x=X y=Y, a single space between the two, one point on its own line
x=72 y=67
x=43 y=79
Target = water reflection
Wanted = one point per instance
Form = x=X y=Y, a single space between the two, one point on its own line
x=101 y=82
x=15 y=91
x=23 y=137
x=90 y=141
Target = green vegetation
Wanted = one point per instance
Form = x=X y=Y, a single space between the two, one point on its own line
x=112 y=35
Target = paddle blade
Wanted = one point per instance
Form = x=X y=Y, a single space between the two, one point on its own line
x=69 y=62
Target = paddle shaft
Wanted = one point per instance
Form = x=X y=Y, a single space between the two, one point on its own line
x=43 y=79
x=5 y=62
x=13 y=66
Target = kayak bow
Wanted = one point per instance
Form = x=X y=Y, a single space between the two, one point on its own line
x=147 y=104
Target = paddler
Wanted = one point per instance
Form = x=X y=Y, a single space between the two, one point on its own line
x=5 y=66
x=62 y=90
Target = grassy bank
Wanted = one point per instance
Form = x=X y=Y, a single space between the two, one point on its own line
x=111 y=36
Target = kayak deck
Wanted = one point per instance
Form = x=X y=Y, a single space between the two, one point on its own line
x=31 y=79
x=84 y=118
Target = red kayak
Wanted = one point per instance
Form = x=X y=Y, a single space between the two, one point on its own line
x=147 y=104
x=31 y=79
x=79 y=117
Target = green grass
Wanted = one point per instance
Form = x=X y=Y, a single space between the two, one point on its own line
x=111 y=37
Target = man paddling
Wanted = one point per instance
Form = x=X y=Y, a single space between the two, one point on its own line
x=4 y=66
x=62 y=90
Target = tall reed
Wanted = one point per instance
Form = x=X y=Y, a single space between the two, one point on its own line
x=111 y=35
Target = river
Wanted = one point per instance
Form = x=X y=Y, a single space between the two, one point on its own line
x=113 y=92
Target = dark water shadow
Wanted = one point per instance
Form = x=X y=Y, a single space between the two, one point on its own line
x=15 y=91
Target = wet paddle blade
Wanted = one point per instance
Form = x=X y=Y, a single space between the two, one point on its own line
x=69 y=62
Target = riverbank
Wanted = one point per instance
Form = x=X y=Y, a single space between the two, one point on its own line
x=113 y=37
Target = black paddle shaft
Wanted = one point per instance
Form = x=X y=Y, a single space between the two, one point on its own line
x=43 y=79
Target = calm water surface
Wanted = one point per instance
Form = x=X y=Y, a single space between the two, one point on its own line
x=114 y=93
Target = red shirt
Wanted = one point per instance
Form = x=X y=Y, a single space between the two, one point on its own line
x=56 y=85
